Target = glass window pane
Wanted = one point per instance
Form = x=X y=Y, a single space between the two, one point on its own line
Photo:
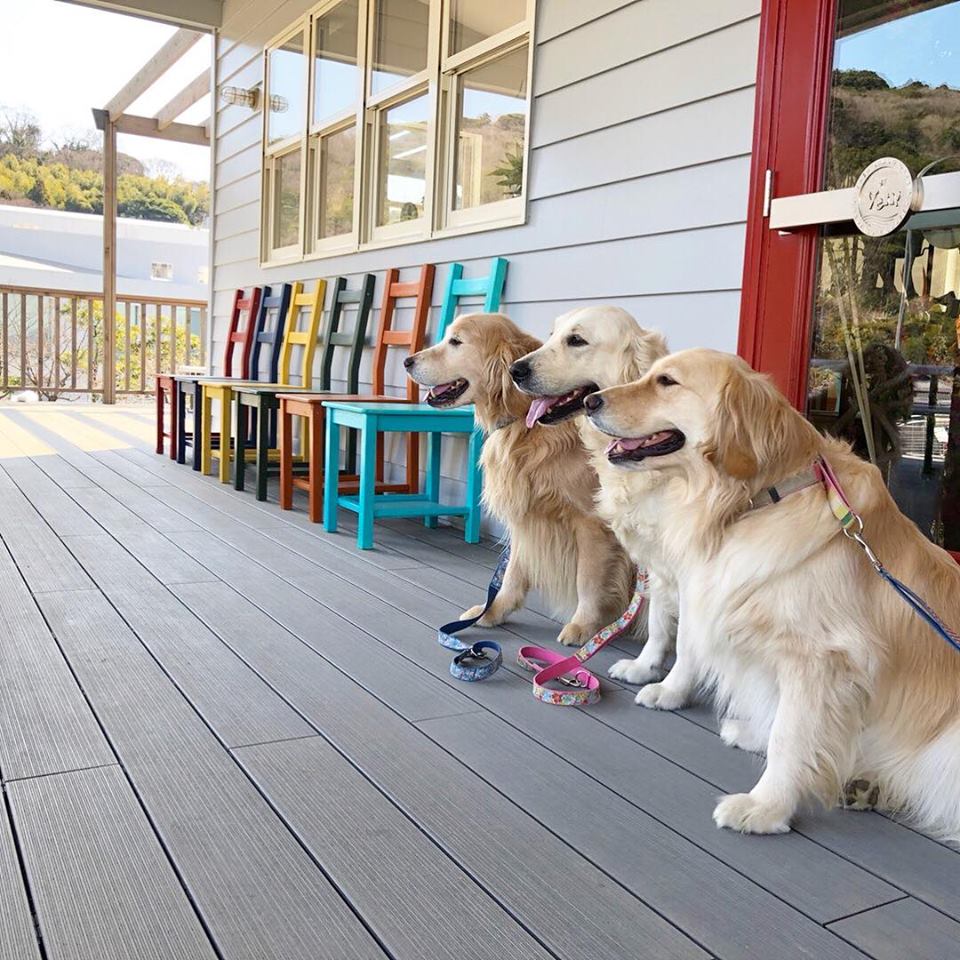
x=335 y=73
x=474 y=20
x=287 y=90
x=286 y=200
x=401 y=167
x=336 y=159
x=400 y=29
x=896 y=87
x=491 y=115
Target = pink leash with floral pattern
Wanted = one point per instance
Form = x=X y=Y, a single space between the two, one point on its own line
x=583 y=686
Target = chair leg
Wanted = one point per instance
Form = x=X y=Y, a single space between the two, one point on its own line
x=471 y=529
x=263 y=452
x=205 y=440
x=331 y=466
x=225 y=410
x=368 y=483
x=181 y=424
x=315 y=466
x=197 y=427
x=413 y=463
x=174 y=421
x=285 y=423
x=159 y=398
x=240 y=460
x=433 y=474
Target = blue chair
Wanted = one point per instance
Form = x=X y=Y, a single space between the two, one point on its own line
x=372 y=419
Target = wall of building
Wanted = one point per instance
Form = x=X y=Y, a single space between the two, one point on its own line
x=640 y=140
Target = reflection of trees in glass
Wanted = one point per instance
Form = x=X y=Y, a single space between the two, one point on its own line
x=501 y=164
x=510 y=172
x=870 y=119
x=336 y=190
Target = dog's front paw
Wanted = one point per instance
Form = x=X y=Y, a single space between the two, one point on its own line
x=743 y=812
x=635 y=671
x=574 y=635
x=740 y=734
x=658 y=696
x=861 y=795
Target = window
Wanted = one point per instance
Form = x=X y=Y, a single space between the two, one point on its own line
x=161 y=271
x=387 y=121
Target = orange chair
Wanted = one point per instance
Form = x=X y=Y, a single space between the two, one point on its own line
x=310 y=405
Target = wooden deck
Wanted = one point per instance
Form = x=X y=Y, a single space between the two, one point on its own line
x=225 y=734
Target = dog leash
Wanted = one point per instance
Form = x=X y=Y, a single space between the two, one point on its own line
x=852 y=525
x=472 y=662
x=548 y=665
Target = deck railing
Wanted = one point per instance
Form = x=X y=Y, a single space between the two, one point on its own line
x=52 y=341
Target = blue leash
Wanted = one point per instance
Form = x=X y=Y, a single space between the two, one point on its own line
x=472 y=662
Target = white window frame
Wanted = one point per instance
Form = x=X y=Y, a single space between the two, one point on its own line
x=439 y=82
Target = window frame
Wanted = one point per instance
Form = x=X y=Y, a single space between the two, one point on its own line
x=438 y=81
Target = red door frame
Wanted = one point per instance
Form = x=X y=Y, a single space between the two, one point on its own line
x=789 y=133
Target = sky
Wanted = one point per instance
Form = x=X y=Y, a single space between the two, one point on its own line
x=58 y=60
x=924 y=46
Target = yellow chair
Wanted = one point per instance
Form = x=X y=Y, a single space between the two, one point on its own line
x=306 y=307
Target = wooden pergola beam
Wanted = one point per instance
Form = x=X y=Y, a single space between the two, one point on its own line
x=152 y=70
x=193 y=92
x=149 y=127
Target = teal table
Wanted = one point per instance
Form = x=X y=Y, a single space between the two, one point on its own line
x=369 y=419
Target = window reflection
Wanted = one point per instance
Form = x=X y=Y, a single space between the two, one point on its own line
x=287 y=90
x=400 y=29
x=401 y=170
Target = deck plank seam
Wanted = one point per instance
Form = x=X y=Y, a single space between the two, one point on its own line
x=25 y=876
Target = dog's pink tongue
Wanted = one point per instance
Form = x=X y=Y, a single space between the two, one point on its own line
x=626 y=443
x=537 y=409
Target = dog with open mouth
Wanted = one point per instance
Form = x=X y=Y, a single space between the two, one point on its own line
x=590 y=349
x=538 y=483
x=821 y=663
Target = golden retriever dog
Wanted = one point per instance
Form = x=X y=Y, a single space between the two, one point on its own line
x=590 y=349
x=780 y=611
x=539 y=484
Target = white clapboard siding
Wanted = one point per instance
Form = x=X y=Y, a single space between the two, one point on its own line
x=638 y=174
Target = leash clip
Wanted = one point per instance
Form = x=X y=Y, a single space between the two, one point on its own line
x=573 y=681
x=857 y=537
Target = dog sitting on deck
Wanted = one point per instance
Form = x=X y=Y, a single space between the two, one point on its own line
x=538 y=483
x=829 y=668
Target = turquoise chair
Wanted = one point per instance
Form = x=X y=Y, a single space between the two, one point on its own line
x=372 y=419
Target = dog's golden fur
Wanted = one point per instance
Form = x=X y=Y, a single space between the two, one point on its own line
x=537 y=482
x=815 y=656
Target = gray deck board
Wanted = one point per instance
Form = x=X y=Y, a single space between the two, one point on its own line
x=17 y=937
x=259 y=893
x=905 y=930
x=46 y=725
x=412 y=895
x=230 y=697
x=102 y=885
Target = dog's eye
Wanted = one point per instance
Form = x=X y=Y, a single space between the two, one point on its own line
x=666 y=381
x=454 y=342
x=575 y=340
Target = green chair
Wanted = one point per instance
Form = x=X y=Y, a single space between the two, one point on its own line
x=369 y=420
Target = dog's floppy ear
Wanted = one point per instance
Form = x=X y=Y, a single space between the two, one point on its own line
x=509 y=344
x=640 y=353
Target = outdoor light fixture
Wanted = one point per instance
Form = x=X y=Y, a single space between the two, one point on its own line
x=237 y=96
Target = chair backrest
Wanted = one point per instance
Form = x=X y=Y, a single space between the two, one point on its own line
x=309 y=308
x=394 y=290
x=489 y=287
x=334 y=337
x=274 y=307
x=243 y=319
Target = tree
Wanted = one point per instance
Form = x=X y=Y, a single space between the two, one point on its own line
x=19 y=133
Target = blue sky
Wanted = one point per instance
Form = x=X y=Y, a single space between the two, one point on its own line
x=59 y=60
x=924 y=46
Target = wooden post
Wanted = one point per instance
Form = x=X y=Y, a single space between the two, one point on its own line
x=109 y=260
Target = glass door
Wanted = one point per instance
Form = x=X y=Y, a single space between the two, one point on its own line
x=879 y=355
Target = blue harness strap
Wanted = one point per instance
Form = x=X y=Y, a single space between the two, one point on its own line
x=920 y=607
x=472 y=662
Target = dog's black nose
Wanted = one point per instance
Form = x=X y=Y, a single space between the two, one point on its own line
x=593 y=401
x=520 y=371
x=408 y=362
